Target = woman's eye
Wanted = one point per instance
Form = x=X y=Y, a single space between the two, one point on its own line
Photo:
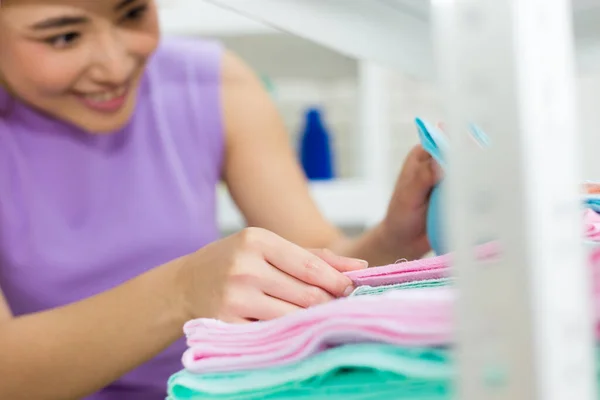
x=136 y=13
x=62 y=41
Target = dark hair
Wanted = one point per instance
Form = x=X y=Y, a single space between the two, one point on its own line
x=6 y=102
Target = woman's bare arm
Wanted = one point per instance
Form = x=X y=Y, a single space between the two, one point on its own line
x=267 y=183
x=73 y=351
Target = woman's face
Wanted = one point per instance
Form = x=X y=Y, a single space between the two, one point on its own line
x=78 y=60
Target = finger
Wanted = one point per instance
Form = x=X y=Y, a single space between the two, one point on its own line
x=423 y=182
x=248 y=303
x=282 y=286
x=340 y=263
x=232 y=319
x=420 y=153
x=437 y=171
x=305 y=266
x=265 y=308
x=428 y=174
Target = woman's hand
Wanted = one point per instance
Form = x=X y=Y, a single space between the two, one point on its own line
x=257 y=275
x=405 y=224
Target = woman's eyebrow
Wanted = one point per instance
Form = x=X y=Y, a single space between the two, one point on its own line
x=59 y=22
x=124 y=4
x=65 y=21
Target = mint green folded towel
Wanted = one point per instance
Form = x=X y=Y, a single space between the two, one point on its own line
x=358 y=371
x=375 y=290
x=351 y=372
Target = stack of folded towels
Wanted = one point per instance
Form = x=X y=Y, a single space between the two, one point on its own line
x=389 y=339
x=345 y=349
x=591 y=198
x=592 y=225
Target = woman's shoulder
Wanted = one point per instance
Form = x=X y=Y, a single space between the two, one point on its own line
x=187 y=60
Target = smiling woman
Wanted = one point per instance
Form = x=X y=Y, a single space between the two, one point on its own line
x=110 y=156
x=83 y=65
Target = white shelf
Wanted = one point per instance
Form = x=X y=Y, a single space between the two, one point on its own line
x=347 y=203
x=346 y=27
x=403 y=24
x=198 y=18
x=526 y=314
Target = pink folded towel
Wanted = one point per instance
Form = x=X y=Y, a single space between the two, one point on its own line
x=439 y=267
x=592 y=225
x=418 y=270
x=410 y=318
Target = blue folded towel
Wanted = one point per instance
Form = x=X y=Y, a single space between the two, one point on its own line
x=436 y=144
x=592 y=202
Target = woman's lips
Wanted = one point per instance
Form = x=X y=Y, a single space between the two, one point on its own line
x=106 y=102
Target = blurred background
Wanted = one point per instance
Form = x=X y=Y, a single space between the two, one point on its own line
x=367 y=112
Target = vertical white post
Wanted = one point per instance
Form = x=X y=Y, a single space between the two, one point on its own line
x=374 y=135
x=525 y=330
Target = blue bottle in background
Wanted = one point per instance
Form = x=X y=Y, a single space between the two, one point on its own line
x=315 y=147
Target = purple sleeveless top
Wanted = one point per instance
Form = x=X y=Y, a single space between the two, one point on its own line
x=81 y=214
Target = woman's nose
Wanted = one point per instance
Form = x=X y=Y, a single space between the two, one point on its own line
x=112 y=63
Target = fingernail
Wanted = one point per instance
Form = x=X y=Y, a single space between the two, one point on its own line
x=362 y=263
x=348 y=290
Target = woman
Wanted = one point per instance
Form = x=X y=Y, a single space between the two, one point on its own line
x=111 y=145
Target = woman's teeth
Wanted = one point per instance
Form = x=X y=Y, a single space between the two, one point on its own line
x=106 y=96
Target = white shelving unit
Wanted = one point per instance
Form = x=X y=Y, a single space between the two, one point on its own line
x=195 y=17
x=402 y=24
x=525 y=319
